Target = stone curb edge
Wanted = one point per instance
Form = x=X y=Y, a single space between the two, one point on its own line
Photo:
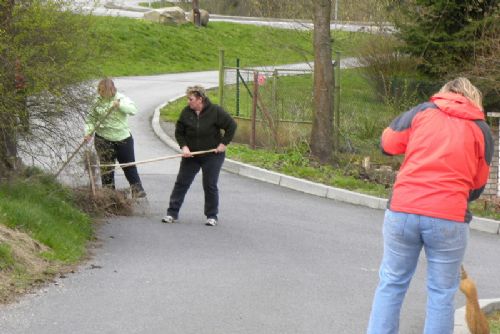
x=308 y=187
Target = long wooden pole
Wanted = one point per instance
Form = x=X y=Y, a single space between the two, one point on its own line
x=128 y=164
x=91 y=175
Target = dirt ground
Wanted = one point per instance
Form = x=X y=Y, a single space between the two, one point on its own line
x=29 y=269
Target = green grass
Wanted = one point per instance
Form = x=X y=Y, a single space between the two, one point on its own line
x=494 y=320
x=484 y=207
x=6 y=259
x=43 y=209
x=15 y=275
x=363 y=115
x=138 y=47
x=295 y=161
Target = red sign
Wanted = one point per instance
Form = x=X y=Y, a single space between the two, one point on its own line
x=261 y=79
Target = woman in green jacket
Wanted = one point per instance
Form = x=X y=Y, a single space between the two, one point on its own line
x=199 y=129
x=113 y=140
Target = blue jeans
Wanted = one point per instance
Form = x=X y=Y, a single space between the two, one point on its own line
x=444 y=242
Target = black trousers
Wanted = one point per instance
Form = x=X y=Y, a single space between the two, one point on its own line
x=210 y=166
x=109 y=152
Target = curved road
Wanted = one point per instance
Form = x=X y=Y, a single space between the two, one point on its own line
x=279 y=262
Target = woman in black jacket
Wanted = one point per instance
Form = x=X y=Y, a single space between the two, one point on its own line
x=198 y=129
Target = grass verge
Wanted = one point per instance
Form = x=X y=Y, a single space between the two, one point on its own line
x=45 y=228
x=44 y=209
x=138 y=47
x=42 y=232
x=494 y=320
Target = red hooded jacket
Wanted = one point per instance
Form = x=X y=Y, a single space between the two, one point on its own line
x=448 y=148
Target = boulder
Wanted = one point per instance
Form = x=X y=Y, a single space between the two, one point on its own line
x=169 y=15
x=204 y=17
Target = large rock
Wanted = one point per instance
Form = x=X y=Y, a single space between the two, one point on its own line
x=169 y=15
x=204 y=17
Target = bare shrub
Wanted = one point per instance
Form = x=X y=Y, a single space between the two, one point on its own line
x=390 y=72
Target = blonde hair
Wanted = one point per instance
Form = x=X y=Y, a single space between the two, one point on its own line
x=465 y=88
x=106 y=88
x=198 y=91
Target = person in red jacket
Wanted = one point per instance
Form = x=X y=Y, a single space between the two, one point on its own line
x=447 y=149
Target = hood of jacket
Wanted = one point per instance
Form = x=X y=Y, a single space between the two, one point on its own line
x=458 y=106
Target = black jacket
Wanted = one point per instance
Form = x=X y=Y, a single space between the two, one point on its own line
x=203 y=132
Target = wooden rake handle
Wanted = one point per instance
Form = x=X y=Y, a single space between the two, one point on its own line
x=128 y=164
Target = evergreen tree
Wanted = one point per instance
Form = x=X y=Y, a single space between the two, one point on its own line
x=445 y=34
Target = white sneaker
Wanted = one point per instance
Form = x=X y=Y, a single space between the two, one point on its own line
x=168 y=219
x=211 y=222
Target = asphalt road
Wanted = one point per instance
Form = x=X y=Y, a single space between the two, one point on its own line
x=279 y=262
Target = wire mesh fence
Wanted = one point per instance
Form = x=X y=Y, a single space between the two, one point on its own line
x=273 y=107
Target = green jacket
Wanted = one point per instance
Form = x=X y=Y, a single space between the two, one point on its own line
x=203 y=132
x=113 y=127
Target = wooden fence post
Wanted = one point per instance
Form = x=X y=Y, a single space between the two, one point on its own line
x=237 y=86
x=221 y=77
x=254 y=108
x=336 y=101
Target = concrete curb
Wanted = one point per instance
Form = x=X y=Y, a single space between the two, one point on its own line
x=308 y=187
x=487 y=305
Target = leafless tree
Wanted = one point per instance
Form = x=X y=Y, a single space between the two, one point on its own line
x=46 y=52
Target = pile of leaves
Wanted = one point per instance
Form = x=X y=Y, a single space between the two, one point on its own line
x=104 y=203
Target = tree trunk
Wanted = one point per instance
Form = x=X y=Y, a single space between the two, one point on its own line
x=196 y=13
x=8 y=111
x=321 y=133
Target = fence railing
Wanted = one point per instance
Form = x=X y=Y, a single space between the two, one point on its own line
x=277 y=103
